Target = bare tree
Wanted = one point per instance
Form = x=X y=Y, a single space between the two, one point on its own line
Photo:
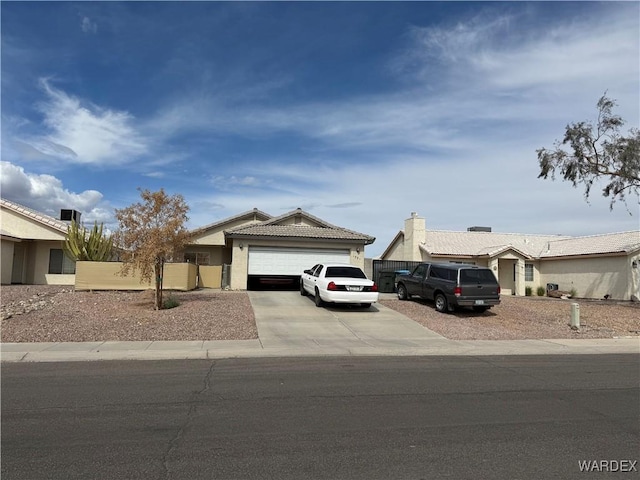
x=151 y=233
x=599 y=152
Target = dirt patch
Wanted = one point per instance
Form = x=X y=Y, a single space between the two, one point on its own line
x=57 y=314
x=522 y=318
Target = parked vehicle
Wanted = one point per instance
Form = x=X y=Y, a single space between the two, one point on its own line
x=338 y=283
x=451 y=285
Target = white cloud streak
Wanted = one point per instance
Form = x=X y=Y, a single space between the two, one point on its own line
x=85 y=133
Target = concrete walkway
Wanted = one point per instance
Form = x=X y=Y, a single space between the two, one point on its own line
x=290 y=325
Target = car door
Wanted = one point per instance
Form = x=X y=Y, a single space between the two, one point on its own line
x=308 y=278
x=414 y=281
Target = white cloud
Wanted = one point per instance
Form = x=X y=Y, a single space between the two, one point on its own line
x=88 y=26
x=46 y=194
x=85 y=133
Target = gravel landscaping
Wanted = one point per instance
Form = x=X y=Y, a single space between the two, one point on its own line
x=526 y=318
x=39 y=313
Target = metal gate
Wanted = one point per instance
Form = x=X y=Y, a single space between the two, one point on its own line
x=384 y=272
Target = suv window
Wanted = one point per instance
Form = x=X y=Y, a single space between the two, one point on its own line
x=470 y=275
x=442 y=273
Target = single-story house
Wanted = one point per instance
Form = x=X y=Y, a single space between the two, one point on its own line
x=31 y=244
x=594 y=266
x=263 y=249
x=255 y=247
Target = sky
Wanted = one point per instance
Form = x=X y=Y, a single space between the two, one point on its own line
x=357 y=112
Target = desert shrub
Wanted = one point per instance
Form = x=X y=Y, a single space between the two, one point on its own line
x=170 y=302
x=541 y=291
x=574 y=293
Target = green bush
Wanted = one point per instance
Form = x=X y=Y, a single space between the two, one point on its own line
x=528 y=291
x=170 y=302
x=574 y=293
x=541 y=291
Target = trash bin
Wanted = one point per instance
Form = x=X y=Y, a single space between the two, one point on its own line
x=552 y=286
x=385 y=282
x=397 y=273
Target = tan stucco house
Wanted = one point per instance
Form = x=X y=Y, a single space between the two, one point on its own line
x=255 y=247
x=262 y=248
x=594 y=266
x=32 y=247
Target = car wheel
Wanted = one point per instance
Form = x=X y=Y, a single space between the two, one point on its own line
x=303 y=292
x=402 y=292
x=319 y=302
x=441 y=303
x=480 y=309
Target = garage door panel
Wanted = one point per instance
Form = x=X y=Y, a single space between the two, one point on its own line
x=291 y=261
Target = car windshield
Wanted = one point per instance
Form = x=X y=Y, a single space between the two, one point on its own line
x=476 y=276
x=345 y=272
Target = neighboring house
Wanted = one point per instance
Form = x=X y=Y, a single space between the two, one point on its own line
x=32 y=247
x=594 y=266
x=262 y=248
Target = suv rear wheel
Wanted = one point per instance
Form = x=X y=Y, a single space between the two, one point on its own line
x=441 y=302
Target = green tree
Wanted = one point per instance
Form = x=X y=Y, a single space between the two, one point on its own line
x=82 y=245
x=151 y=233
x=597 y=153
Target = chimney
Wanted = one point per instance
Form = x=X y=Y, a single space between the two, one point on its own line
x=67 y=215
x=414 y=236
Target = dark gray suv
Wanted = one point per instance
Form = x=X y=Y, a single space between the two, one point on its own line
x=451 y=285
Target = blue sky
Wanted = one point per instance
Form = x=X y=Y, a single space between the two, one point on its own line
x=358 y=112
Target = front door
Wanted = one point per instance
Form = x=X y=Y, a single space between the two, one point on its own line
x=17 y=269
x=507 y=276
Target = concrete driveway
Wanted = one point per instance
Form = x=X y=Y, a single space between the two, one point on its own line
x=287 y=319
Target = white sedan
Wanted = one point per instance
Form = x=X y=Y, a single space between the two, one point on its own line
x=338 y=283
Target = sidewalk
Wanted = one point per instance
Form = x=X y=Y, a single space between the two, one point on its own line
x=92 y=351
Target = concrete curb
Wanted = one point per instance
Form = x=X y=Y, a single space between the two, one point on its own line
x=202 y=350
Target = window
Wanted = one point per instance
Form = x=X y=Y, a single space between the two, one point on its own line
x=528 y=272
x=468 y=275
x=199 y=258
x=420 y=271
x=59 y=263
x=345 y=272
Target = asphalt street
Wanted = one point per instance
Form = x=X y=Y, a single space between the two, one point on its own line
x=505 y=417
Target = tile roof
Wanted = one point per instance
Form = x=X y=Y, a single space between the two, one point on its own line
x=37 y=216
x=250 y=213
x=485 y=243
x=622 y=242
x=530 y=246
x=299 y=231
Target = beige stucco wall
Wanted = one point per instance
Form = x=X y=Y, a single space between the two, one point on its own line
x=105 y=276
x=6 y=266
x=27 y=228
x=216 y=236
x=396 y=252
x=592 y=277
x=240 y=264
x=210 y=276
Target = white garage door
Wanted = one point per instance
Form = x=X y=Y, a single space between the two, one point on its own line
x=291 y=261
